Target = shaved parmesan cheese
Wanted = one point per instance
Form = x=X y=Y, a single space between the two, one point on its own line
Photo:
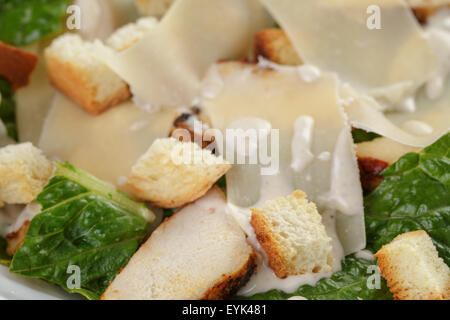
x=107 y=145
x=433 y=116
x=165 y=68
x=280 y=97
x=34 y=100
x=99 y=18
x=244 y=180
x=344 y=41
x=301 y=143
x=438 y=32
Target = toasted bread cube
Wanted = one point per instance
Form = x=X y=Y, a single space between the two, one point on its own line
x=129 y=34
x=274 y=45
x=424 y=9
x=24 y=171
x=74 y=70
x=198 y=253
x=413 y=269
x=291 y=232
x=171 y=173
x=16 y=65
x=156 y=8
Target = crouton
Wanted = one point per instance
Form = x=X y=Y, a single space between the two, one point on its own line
x=198 y=253
x=24 y=172
x=74 y=70
x=16 y=65
x=291 y=232
x=413 y=269
x=156 y=8
x=274 y=45
x=172 y=173
x=423 y=9
x=129 y=34
x=384 y=149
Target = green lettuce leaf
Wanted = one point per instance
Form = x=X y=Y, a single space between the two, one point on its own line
x=25 y=21
x=8 y=108
x=413 y=196
x=85 y=224
x=4 y=258
x=353 y=282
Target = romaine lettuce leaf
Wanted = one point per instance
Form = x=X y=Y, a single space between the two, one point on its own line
x=4 y=258
x=353 y=282
x=8 y=108
x=25 y=21
x=413 y=196
x=85 y=225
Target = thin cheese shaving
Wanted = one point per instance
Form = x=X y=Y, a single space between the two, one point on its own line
x=280 y=97
x=364 y=113
x=107 y=145
x=165 y=68
x=341 y=36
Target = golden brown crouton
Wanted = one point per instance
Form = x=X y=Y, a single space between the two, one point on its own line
x=75 y=71
x=291 y=232
x=24 y=172
x=173 y=173
x=424 y=9
x=16 y=65
x=413 y=269
x=274 y=45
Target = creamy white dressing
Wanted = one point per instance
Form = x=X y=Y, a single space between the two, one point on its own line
x=438 y=33
x=27 y=214
x=301 y=143
x=344 y=195
x=8 y=215
x=397 y=97
x=418 y=128
x=297 y=298
x=365 y=254
x=12 y=217
x=309 y=73
x=324 y=156
x=244 y=178
x=100 y=18
x=212 y=84
x=139 y=125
